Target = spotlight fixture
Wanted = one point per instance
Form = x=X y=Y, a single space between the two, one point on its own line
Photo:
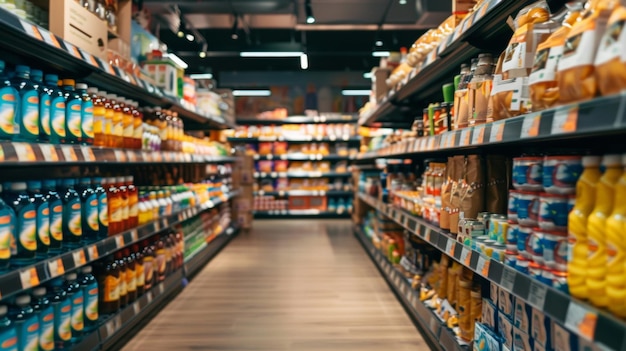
x=304 y=61
x=202 y=54
x=378 y=43
x=310 y=19
x=234 y=34
x=180 y=33
x=402 y=2
x=190 y=37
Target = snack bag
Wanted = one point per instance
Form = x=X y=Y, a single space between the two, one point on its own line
x=509 y=97
x=611 y=57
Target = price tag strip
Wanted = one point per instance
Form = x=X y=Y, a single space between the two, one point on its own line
x=530 y=126
x=565 y=120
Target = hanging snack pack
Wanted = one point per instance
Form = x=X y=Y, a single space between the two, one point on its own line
x=544 y=90
x=611 y=56
x=576 y=70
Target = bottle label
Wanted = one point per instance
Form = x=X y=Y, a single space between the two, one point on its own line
x=118 y=124
x=28 y=334
x=138 y=131
x=103 y=210
x=108 y=123
x=140 y=276
x=131 y=279
x=8 y=340
x=56 y=220
x=78 y=311
x=87 y=119
x=8 y=108
x=123 y=286
x=115 y=210
x=43 y=224
x=57 y=117
x=7 y=221
x=63 y=320
x=98 y=119
x=128 y=127
x=133 y=206
x=74 y=217
x=27 y=228
x=161 y=261
x=125 y=209
x=91 y=212
x=149 y=271
x=30 y=113
x=46 y=329
x=111 y=288
x=91 y=302
x=44 y=114
x=73 y=118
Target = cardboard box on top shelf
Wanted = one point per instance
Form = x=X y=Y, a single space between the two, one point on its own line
x=81 y=28
x=462 y=5
x=379 y=82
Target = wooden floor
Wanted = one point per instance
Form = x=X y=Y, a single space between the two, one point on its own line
x=288 y=285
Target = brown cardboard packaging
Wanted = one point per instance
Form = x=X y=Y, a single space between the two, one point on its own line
x=79 y=27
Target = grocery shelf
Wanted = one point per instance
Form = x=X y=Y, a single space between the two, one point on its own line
x=438 y=335
x=302 y=174
x=566 y=310
x=304 y=157
x=30 y=276
x=307 y=139
x=304 y=193
x=602 y=116
x=327 y=118
x=23 y=154
x=283 y=214
x=37 y=46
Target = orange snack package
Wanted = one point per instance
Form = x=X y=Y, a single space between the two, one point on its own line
x=611 y=57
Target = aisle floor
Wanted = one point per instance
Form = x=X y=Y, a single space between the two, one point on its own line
x=287 y=285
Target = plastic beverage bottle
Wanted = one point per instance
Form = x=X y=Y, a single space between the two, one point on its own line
x=131 y=276
x=103 y=207
x=43 y=218
x=89 y=285
x=616 y=249
x=89 y=209
x=139 y=271
x=26 y=324
x=108 y=119
x=25 y=224
x=99 y=112
x=72 y=213
x=45 y=313
x=57 y=110
x=161 y=259
x=137 y=126
x=114 y=201
x=128 y=122
x=118 y=122
x=56 y=215
x=108 y=277
x=28 y=107
x=121 y=185
x=8 y=105
x=148 y=265
x=8 y=333
x=133 y=202
x=596 y=225
x=73 y=112
x=75 y=295
x=86 y=114
x=121 y=263
x=7 y=222
x=44 y=105
x=62 y=307
x=156 y=207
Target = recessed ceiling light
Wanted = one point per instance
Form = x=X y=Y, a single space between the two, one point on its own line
x=378 y=43
x=201 y=76
x=381 y=53
x=241 y=92
x=190 y=37
x=271 y=53
x=202 y=54
x=367 y=75
x=402 y=2
x=304 y=61
x=356 y=92
x=180 y=33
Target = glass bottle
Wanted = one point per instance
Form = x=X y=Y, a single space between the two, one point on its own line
x=8 y=333
x=45 y=314
x=121 y=263
x=72 y=213
x=42 y=210
x=86 y=114
x=114 y=201
x=138 y=126
x=89 y=285
x=108 y=277
x=139 y=270
x=62 y=307
x=77 y=298
x=57 y=122
x=26 y=323
x=56 y=215
x=128 y=122
x=121 y=185
x=8 y=105
x=73 y=115
x=118 y=121
x=27 y=118
x=99 y=117
x=89 y=209
x=25 y=224
x=131 y=275
x=103 y=207
x=133 y=202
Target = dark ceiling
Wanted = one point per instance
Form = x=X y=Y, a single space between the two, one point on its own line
x=342 y=37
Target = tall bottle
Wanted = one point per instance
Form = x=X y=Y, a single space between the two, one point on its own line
x=131 y=275
x=89 y=210
x=616 y=249
x=161 y=259
x=57 y=125
x=139 y=271
x=62 y=307
x=109 y=114
x=55 y=206
x=118 y=121
x=121 y=185
x=73 y=112
x=26 y=323
x=8 y=106
x=149 y=265
x=108 y=277
x=25 y=224
x=596 y=225
x=479 y=90
x=89 y=285
x=86 y=114
x=103 y=207
x=128 y=122
x=162 y=124
x=42 y=210
x=72 y=213
x=75 y=295
x=28 y=106
x=137 y=126
x=114 y=200
x=45 y=314
x=8 y=333
x=44 y=105
x=99 y=116
x=121 y=263
x=133 y=202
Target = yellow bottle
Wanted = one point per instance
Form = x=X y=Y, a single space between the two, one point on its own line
x=596 y=230
x=577 y=226
x=616 y=249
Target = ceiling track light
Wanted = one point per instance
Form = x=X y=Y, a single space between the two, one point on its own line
x=233 y=34
x=308 y=10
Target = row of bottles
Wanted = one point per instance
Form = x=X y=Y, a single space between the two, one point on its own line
x=169 y=127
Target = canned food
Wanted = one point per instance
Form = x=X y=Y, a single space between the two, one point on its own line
x=498 y=252
x=474 y=227
x=535 y=246
x=523 y=238
x=560 y=173
x=510 y=258
x=486 y=247
x=554 y=245
x=528 y=173
x=553 y=211
x=535 y=270
x=528 y=208
x=559 y=281
x=478 y=241
x=512 y=208
x=495 y=226
x=546 y=277
x=461 y=226
x=521 y=264
x=511 y=236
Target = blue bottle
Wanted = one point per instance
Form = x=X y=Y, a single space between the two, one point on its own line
x=25 y=224
x=89 y=284
x=89 y=209
x=7 y=227
x=86 y=113
x=45 y=314
x=103 y=207
x=72 y=214
x=28 y=105
x=56 y=215
x=73 y=117
x=44 y=104
x=26 y=324
x=62 y=307
x=56 y=124
x=43 y=218
x=76 y=296
x=8 y=334
x=9 y=98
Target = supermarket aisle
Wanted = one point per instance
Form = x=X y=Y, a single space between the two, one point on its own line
x=289 y=285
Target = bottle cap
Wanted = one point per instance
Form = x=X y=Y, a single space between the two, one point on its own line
x=49 y=183
x=2 y=65
x=84 y=181
x=52 y=79
x=39 y=291
x=129 y=179
x=111 y=180
x=81 y=86
x=36 y=74
x=591 y=161
x=22 y=300
x=92 y=90
x=68 y=182
x=20 y=69
x=71 y=276
x=69 y=82
x=3 y=310
x=112 y=97
x=96 y=181
x=120 y=180
x=87 y=270
x=103 y=94
x=18 y=186
x=612 y=160
x=34 y=184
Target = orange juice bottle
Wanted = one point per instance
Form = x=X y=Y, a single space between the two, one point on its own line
x=577 y=226
x=108 y=119
x=128 y=124
x=99 y=112
x=596 y=225
x=616 y=249
x=118 y=122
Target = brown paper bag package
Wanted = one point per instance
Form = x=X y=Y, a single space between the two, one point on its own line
x=496 y=194
x=444 y=219
x=473 y=187
x=455 y=192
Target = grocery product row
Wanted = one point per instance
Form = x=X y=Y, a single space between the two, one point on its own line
x=312 y=117
x=303 y=184
x=284 y=150
x=339 y=205
x=295 y=131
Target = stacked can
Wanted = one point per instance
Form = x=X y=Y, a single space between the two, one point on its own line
x=536 y=242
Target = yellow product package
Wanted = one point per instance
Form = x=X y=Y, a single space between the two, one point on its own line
x=611 y=56
x=509 y=97
x=576 y=71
